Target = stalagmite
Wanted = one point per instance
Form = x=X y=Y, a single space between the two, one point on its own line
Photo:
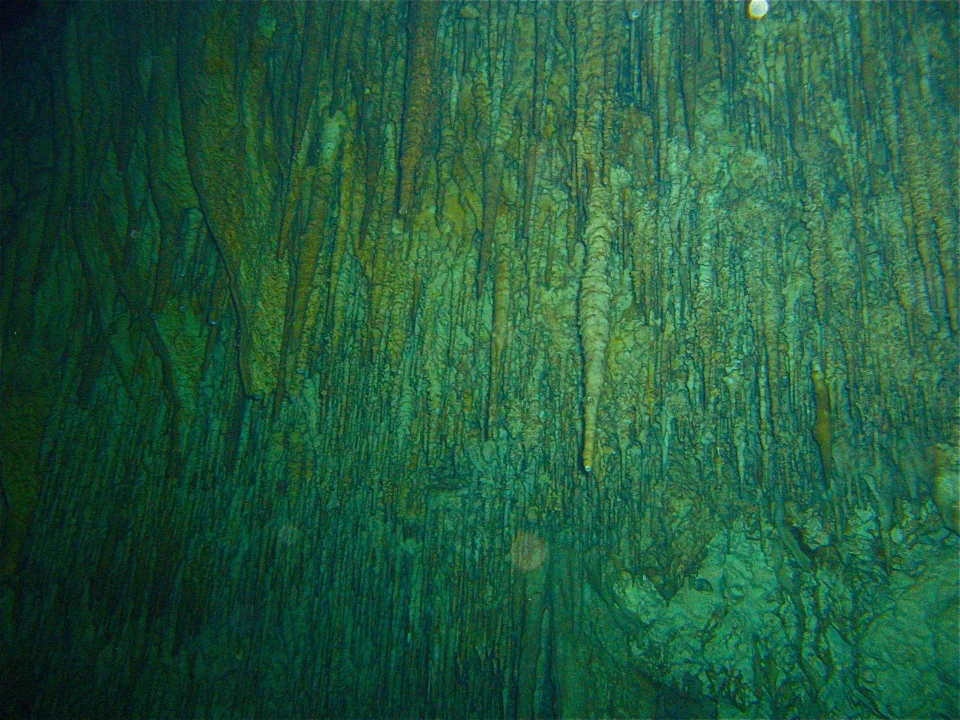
x=594 y=313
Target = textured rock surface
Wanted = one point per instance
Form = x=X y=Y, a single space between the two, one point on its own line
x=297 y=340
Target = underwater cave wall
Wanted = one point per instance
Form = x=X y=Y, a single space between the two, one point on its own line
x=455 y=358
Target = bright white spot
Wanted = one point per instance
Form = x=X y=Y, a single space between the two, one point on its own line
x=757 y=9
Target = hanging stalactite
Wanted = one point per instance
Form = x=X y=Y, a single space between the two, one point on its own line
x=594 y=313
x=594 y=295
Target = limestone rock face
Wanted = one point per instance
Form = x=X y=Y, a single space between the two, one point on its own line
x=946 y=485
x=492 y=359
x=724 y=635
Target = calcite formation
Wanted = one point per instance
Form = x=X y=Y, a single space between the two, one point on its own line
x=945 y=488
x=313 y=315
x=594 y=314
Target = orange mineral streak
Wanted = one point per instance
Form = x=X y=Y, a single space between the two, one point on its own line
x=418 y=114
x=822 y=431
